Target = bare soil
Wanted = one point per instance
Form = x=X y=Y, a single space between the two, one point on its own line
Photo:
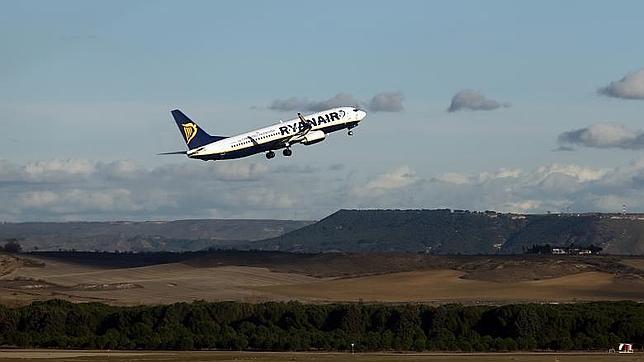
x=155 y=284
x=319 y=278
x=449 y=286
x=8 y=263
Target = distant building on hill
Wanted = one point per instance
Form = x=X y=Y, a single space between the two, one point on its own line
x=563 y=250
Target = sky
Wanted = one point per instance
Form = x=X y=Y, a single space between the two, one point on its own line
x=497 y=105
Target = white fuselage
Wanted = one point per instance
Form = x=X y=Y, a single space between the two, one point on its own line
x=281 y=135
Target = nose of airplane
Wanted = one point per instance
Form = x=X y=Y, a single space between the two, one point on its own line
x=360 y=114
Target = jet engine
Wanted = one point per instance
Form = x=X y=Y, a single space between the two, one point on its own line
x=313 y=137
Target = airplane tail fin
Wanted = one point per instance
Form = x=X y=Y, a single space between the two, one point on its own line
x=192 y=133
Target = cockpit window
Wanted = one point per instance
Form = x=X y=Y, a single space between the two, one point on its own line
x=355 y=109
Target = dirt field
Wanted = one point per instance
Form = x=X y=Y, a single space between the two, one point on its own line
x=157 y=284
x=635 y=263
x=449 y=286
x=252 y=277
x=7 y=264
x=43 y=355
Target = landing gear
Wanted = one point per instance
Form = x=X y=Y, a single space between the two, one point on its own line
x=287 y=152
x=270 y=154
x=350 y=133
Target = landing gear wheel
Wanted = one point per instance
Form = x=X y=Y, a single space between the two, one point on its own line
x=350 y=133
x=270 y=154
x=287 y=152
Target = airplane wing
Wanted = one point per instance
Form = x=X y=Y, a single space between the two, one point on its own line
x=307 y=124
x=299 y=135
x=253 y=141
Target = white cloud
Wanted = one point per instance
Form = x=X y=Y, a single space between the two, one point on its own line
x=302 y=104
x=78 y=200
x=499 y=174
x=472 y=100
x=524 y=206
x=67 y=189
x=631 y=86
x=232 y=171
x=126 y=190
x=37 y=199
x=57 y=170
x=603 y=135
x=613 y=203
x=381 y=102
x=386 y=102
x=555 y=187
x=580 y=173
x=453 y=178
x=122 y=169
x=395 y=179
x=482 y=177
x=102 y=200
x=263 y=198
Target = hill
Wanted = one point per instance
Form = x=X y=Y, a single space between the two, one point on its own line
x=181 y=235
x=460 y=232
x=428 y=231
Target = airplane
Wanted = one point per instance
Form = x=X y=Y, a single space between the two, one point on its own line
x=306 y=130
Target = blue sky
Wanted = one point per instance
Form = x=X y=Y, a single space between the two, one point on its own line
x=90 y=84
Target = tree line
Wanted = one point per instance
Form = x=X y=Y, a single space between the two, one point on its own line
x=292 y=326
x=11 y=246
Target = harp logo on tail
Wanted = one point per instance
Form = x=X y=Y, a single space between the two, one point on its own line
x=189 y=130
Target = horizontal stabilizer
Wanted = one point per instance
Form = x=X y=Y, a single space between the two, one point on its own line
x=173 y=153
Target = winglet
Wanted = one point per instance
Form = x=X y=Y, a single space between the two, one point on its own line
x=307 y=124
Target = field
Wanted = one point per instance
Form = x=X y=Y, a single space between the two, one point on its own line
x=43 y=355
x=154 y=284
x=636 y=263
x=317 y=278
x=445 y=286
